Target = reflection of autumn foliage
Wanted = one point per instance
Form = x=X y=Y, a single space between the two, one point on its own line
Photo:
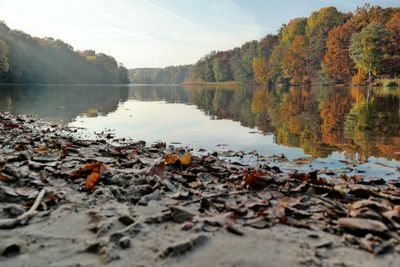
x=259 y=100
x=372 y=125
x=333 y=111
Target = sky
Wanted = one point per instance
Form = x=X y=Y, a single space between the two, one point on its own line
x=159 y=33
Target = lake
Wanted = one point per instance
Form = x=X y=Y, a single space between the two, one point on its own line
x=338 y=126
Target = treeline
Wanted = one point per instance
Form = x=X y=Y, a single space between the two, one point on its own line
x=27 y=59
x=167 y=75
x=329 y=45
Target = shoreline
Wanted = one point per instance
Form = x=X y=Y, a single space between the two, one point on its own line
x=129 y=203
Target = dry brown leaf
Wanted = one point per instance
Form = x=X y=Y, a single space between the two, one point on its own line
x=42 y=149
x=4 y=177
x=158 y=170
x=310 y=177
x=256 y=180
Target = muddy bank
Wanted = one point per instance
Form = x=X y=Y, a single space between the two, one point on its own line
x=69 y=202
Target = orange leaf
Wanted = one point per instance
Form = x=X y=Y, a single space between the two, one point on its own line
x=171 y=159
x=92 y=180
x=186 y=159
x=89 y=167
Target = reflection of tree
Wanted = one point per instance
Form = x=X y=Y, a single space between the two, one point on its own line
x=373 y=124
x=59 y=102
x=333 y=108
x=299 y=122
x=362 y=122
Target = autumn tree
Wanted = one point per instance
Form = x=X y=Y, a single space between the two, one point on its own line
x=318 y=26
x=275 y=69
x=367 y=49
x=337 y=61
x=221 y=67
x=295 y=61
x=260 y=71
x=266 y=45
x=288 y=32
x=392 y=61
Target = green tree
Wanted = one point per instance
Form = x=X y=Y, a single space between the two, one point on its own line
x=4 y=66
x=367 y=49
x=318 y=26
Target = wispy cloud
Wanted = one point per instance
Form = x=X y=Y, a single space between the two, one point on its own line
x=171 y=14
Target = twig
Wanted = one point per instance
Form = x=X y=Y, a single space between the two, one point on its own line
x=11 y=223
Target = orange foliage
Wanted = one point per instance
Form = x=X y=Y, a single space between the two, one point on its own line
x=392 y=61
x=260 y=71
x=337 y=61
x=295 y=60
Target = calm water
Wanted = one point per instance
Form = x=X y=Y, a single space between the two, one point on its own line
x=332 y=124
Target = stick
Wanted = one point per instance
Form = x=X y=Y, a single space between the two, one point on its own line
x=11 y=223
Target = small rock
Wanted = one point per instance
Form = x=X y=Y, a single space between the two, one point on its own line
x=126 y=220
x=125 y=242
x=184 y=247
x=180 y=214
x=187 y=226
x=10 y=247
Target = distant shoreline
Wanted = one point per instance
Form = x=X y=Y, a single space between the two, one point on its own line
x=202 y=83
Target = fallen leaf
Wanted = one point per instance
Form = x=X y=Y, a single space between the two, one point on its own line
x=256 y=180
x=170 y=159
x=358 y=226
x=185 y=160
x=92 y=180
x=88 y=168
x=42 y=149
x=4 y=178
x=310 y=177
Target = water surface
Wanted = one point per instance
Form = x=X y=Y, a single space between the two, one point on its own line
x=336 y=125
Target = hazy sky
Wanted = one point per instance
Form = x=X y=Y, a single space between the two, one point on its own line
x=157 y=33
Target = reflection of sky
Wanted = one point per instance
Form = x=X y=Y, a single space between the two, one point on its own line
x=156 y=120
x=147 y=33
x=159 y=121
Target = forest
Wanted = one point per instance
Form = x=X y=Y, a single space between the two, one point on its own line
x=168 y=75
x=27 y=59
x=328 y=46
